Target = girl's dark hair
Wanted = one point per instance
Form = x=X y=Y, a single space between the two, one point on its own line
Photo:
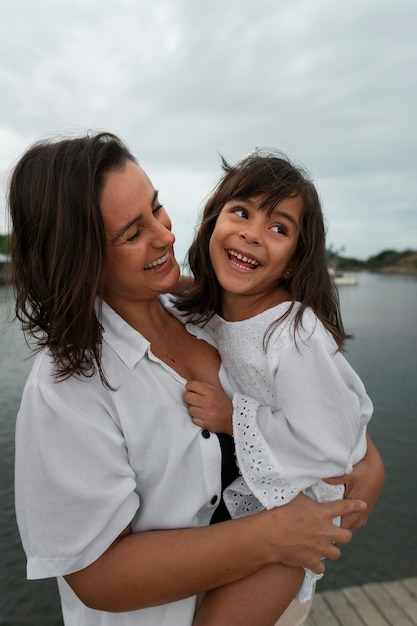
x=273 y=177
x=58 y=246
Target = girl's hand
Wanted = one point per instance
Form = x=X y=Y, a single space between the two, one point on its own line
x=365 y=482
x=209 y=406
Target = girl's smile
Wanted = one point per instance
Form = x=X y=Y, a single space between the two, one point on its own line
x=242 y=261
x=251 y=249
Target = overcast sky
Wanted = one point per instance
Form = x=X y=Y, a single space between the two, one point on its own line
x=332 y=84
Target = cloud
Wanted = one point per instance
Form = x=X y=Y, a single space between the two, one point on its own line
x=330 y=84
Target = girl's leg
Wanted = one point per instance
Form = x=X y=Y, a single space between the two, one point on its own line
x=296 y=613
x=259 y=599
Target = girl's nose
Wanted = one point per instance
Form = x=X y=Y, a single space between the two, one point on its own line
x=251 y=234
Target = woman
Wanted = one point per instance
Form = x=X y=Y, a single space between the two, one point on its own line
x=115 y=486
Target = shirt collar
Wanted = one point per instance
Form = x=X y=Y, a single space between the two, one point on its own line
x=129 y=345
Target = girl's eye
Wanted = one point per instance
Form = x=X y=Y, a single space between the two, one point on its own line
x=157 y=208
x=241 y=213
x=277 y=228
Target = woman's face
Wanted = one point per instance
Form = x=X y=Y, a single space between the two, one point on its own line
x=140 y=263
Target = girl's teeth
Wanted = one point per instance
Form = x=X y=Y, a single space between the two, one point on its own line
x=245 y=259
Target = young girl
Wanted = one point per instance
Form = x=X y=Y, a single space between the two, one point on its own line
x=261 y=279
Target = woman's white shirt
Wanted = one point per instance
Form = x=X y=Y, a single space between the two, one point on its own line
x=90 y=461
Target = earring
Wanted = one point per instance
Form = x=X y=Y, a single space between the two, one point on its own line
x=287 y=273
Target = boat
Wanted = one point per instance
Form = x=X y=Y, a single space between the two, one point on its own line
x=339 y=278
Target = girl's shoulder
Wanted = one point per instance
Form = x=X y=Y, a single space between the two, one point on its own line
x=305 y=327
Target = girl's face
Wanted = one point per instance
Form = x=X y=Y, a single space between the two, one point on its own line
x=251 y=250
x=140 y=262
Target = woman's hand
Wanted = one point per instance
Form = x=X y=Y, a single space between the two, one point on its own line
x=364 y=482
x=305 y=533
x=209 y=406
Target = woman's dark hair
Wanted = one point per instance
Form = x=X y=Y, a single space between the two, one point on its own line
x=58 y=246
x=272 y=177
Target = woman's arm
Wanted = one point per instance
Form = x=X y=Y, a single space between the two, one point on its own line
x=151 y=568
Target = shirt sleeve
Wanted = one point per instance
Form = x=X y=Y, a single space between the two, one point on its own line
x=318 y=429
x=75 y=489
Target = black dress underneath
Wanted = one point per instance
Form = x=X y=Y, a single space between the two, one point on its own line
x=230 y=471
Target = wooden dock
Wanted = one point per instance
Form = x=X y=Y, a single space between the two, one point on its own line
x=373 y=604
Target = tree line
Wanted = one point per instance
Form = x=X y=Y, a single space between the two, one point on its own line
x=386 y=258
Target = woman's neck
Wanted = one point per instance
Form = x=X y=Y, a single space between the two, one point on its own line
x=148 y=317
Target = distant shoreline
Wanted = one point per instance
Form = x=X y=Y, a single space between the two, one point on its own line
x=397 y=270
x=6 y=274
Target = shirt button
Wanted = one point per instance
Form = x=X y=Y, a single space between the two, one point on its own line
x=205 y=434
x=213 y=500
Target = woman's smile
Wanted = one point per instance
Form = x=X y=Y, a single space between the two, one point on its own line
x=157 y=263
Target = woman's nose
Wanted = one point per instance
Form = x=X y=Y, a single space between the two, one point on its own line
x=163 y=235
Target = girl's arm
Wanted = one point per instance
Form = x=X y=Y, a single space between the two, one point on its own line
x=151 y=568
x=365 y=482
x=318 y=427
x=259 y=599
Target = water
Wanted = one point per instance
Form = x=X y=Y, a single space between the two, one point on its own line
x=26 y=603
x=382 y=313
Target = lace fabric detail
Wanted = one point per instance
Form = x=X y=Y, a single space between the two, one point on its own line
x=262 y=478
x=240 y=501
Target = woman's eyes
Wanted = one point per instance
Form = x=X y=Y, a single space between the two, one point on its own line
x=136 y=234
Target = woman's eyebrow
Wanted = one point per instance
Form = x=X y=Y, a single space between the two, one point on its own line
x=134 y=220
